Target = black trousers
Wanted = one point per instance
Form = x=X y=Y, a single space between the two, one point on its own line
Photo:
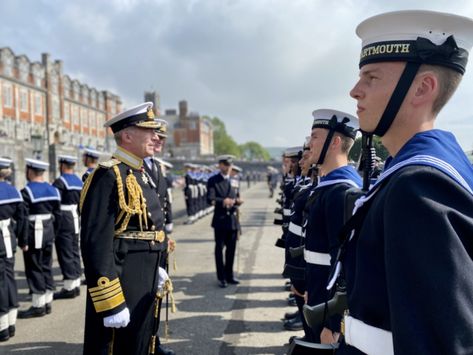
x=67 y=248
x=228 y=239
x=38 y=268
x=8 y=288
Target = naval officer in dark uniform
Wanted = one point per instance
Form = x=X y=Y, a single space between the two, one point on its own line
x=13 y=232
x=225 y=198
x=43 y=203
x=67 y=238
x=408 y=265
x=122 y=242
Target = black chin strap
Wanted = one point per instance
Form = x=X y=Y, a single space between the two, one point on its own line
x=332 y=126
x=397 y=97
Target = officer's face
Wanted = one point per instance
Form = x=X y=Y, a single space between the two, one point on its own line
x=373 y=91
x=158 y=145
x=142 y=141
x=225 y=169
x=316 y=143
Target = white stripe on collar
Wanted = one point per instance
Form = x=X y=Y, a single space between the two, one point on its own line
x=41 y=199
x=128 y=158
x=11 y=200
x=430 y=161
x=68 y=186
x=337 y=181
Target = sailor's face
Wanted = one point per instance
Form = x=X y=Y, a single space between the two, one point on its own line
x=373 y=91
x=316 y=143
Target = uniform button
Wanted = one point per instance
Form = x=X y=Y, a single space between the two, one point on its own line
x=159 y=195
x=162 y=209
x=153 y=228
x=149 y=214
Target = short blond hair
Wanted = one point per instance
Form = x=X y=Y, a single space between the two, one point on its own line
x=448 y=80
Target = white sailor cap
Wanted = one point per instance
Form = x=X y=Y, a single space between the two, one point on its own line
x=189 y=165
x=92 y=153
x=67 y=159
x=36 y=164
x=237 y=169
x=141 y=115
x=226 y=158
x=5 y=163
x=162 y=129
x=425 y=37
x=338 y=121
x=293 y=152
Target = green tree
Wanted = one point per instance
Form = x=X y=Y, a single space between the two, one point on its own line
x=223 y=142
x=355 y=151
x=254 y=150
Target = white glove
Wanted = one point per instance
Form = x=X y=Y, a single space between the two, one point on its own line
x=163 y=276
x=168 y=228
x=119 y=320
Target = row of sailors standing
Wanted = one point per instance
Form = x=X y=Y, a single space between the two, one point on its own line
x=195 y=189
x=386 y=269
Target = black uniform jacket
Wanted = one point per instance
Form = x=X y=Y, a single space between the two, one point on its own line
x=218 y=189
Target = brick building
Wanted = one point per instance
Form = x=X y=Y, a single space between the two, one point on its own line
x=44 y=112
x=191 y=135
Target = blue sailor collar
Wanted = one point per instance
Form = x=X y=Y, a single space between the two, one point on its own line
x=345 y=174
x=435 y=148
x=71 y=181
x=42 y=191
x=89 y=170
x=8 y=194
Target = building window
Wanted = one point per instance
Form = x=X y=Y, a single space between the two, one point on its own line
x=38 y=105
x=55 y=109
x=23 y=100
x=67 y=88
x=7 y=95
x=67 y=114
x=75 y=115
x=8 y=65
x=24 y=72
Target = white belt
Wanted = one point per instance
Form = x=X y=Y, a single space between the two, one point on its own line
x=73 y=209
x=369 y=339
x=4 y=224
x=295 y=229
x=313 y=257
x=38 y=228
x=286 y=212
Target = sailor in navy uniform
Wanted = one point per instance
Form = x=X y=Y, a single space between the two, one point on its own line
x=295 y=239
x=90 y=159
x=122 y=243
x=222 y=195
x=13 y=226
x=67 y=238
x=408 y=264
x=333 y=135
x=189 y=192
x=43 y=203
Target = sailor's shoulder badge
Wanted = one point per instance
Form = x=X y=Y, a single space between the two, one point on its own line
x=109 y=163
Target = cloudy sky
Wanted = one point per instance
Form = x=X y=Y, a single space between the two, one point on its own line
x=262 y=66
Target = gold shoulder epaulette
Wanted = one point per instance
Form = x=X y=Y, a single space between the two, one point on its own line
x=109 y=163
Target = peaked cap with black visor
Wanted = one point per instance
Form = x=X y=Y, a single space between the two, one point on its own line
x=416 y=37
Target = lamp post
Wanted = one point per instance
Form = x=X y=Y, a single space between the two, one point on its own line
x=37 y=141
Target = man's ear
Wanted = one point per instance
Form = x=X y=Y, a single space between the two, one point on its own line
x=426 y=87
x=336 y=141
